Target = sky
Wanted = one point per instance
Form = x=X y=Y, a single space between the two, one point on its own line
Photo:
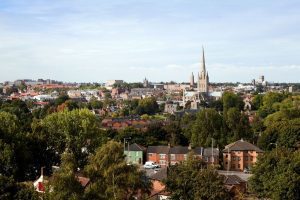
x=100 y=40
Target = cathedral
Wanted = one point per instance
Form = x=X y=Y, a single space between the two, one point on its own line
x=198 y=93
x=203 y=79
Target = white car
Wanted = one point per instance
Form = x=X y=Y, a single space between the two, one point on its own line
x=150 y=165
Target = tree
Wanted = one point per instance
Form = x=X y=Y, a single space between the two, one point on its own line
x=231 y=100
x=238 y=125
x=174 y=134
x=147 y=106
x=77 y=130
x=210 y=185
x=8 y=164
x=65 y=184
x=190 y=180
x=61 y=99
x=276 y=175
x=111 y=177
x=269 y=100
x=209 y=124
x=21 y=111
x=257 y=101
x=9 y=189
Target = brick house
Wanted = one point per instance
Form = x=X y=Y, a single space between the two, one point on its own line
x=166 y=155
x=159 y=155
x=240 y=155
x=178 y=154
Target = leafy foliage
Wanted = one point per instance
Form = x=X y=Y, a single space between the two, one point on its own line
x=190 y=180
x=110 y=174
x=277 y=175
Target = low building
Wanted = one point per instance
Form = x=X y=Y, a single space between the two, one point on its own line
x=240 y=155
x=135 y=154
x=235 y=185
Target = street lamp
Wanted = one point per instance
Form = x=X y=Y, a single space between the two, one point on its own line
x=276 y=147
x=212 y=151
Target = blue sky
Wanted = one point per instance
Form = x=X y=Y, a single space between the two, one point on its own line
x=97 y=40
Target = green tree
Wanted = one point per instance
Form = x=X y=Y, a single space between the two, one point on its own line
x=209 y=124
x=77 y=130
x=190 y=180
x=111 y=177
x=269 y=100
x=231 y=100
x=257 y=101
x=238 y=125
x=147 y=106
x=64 y=184
x=9 y=189
x=61 y=99
x=276 y=175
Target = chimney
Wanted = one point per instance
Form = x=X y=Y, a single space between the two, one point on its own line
x=42 y=171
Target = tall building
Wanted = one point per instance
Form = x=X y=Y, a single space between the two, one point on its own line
x=203 y=79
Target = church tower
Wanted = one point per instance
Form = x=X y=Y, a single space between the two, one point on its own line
x=192 y=82
x=203 y=78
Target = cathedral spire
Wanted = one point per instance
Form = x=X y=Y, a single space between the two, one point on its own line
x=203 y=62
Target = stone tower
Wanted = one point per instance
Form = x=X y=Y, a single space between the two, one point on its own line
x=192 y=82
x=145 y=83
x=203 y=78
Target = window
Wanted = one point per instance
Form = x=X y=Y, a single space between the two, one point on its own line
x=251 y=158
x=239 y=166
x=162 y=156
x=233 y=166
x=173 y=157
x=246 y=158
x=150 y=154
x=233 y=158
x=239 y=158
x=162 y=162
x=226 y=156
x=185 y=156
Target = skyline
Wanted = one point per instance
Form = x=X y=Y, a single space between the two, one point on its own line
x=95 y=41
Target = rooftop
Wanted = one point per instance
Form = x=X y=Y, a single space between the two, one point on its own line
x=242 y=145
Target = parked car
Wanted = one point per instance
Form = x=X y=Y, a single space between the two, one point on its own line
x=150 y=165
x=247 y=171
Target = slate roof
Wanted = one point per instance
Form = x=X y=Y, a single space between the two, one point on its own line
x=233 y=180
x=136 y=147
x=208 y=152
x=158 y=149
x=242 y=145
x=179 y=150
